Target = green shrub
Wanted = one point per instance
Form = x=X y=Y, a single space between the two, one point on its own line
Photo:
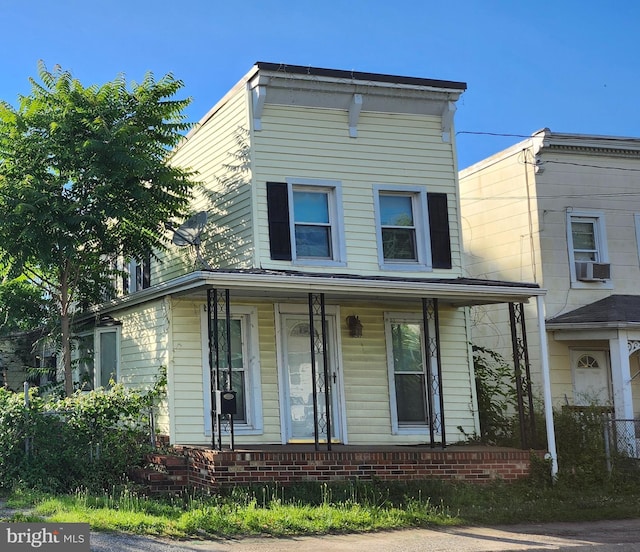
x=88 y=440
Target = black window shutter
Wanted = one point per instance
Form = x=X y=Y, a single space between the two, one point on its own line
x=439 y=230
x=278 y=213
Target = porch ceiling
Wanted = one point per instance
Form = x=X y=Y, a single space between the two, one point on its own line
x=258 y=283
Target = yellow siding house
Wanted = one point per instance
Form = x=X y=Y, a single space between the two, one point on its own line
x=317 y=295
x=563 y=211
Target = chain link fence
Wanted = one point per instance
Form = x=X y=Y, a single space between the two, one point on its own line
x=622 y=437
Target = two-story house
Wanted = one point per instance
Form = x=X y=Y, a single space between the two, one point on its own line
x=563 y=211
x=320 y=279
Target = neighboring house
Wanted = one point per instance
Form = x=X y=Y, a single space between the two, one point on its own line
x=328 y=275
x=563 y=211
x=24 y=358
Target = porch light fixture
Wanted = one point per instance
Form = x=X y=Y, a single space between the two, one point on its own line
x=354 y=325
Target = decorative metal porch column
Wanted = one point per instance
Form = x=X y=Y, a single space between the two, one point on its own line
x=321 y=382
x=218 y=310
x=523 y=382
x=435 y=399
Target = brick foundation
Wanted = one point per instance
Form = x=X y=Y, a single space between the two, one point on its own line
x=193 y=467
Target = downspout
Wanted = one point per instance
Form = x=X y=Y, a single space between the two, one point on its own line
x=546 y=388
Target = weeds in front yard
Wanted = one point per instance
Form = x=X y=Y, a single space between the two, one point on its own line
x=316 y=508
x=273 y=511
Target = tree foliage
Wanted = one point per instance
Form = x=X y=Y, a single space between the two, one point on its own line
x=497 y=399
x=22 y=306
x=85 y=181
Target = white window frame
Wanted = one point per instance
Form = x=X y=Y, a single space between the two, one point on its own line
x=253 y=391
x=333 y=188
x=133 y=270
x=396 y=427
x=97 y=350
x=95 y=364
x=418 y=195
x=600 y=237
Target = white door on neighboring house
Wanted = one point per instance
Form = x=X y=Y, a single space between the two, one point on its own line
x=297 y=393
x=591 y=377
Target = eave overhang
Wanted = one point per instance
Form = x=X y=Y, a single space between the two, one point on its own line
x=456 y=292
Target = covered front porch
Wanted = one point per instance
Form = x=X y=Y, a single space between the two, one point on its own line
x=327 y=362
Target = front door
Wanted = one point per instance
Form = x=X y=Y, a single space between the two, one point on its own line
x=298 y=388
x=591 y=381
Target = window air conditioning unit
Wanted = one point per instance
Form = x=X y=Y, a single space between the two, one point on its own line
x=590 y=271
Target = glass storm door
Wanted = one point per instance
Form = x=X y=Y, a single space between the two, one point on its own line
x=299 y=382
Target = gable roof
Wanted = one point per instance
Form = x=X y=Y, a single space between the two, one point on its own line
x=612 y=311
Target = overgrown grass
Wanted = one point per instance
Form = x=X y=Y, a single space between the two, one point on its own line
x=339 y=508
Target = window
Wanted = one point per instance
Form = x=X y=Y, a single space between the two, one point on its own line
x=407 y=363
x=413 y=228
x=238 y=365
x=312 y=225
x=107 y=356
x=97 y=358
x=245 y=370
x=584 y=236
x=398 y=227
x=139 y=275
x=587 y=243
x=305 y=222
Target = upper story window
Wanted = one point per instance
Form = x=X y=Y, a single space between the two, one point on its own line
x=312 y=223
x=584 y=233
x=398 y=227
x=412 y=228
x=587 y=244
x=139 y=275
x=305 y=222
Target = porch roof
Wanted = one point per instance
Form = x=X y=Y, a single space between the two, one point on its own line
x=260 y=283
x=615 y=311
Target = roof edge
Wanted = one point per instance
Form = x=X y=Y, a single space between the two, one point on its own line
x=357 y=75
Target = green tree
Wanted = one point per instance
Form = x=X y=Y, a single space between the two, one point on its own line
x=85 y=181
x=22 y=306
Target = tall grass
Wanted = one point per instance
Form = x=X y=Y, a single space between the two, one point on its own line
x=317 y=508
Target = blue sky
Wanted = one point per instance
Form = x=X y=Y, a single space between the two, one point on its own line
x=572 y=66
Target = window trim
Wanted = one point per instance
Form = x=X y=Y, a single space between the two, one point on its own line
x=95 y=364
x=96 y=354
x=412 y=318
x=599 y=224
x=253 y=392
x=336 y=218
x=420 y=208
x=145 y=274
